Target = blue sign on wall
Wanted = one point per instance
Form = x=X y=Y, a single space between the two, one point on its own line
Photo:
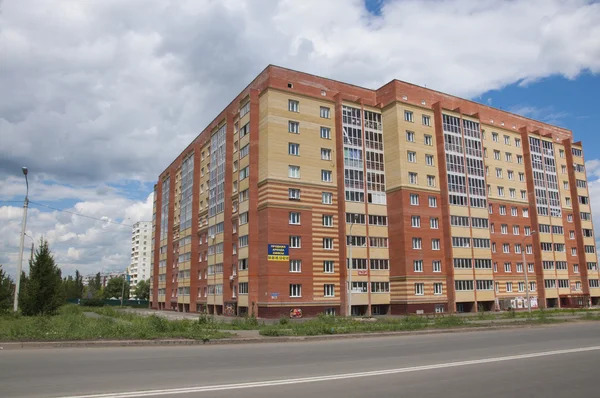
x=278 y=252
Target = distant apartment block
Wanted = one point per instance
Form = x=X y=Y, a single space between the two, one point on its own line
x=305 y=195
x=141 y=253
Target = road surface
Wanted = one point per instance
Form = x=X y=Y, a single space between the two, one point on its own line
x=556 y=361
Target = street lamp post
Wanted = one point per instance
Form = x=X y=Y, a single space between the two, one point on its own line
x=23 y=225
x=526 y=270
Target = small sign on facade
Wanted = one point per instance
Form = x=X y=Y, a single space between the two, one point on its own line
x=277 y=252
x=274 y=296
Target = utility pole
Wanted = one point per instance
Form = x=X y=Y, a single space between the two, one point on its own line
x=23 y=225
x=526 y=270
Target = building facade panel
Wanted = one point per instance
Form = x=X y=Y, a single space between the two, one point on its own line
x=308 y=195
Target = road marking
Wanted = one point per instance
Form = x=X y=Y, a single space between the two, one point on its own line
x=271 y=383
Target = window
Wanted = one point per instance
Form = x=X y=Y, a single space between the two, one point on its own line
x=359 y=287
x=325 y=154
x=498 y=172
x=508 y=156
x=327 y=198
x=295 y=242
x=438 y=288
x=518 y=142
x=244 y=151
x=431 y=181
x=414 y=199
x=500 y=191
x=244 y=173
x=507 y=267
x=461 y=242
x=412 y=157
x=520 y=159
x=434 y=223
x=594 y=283
x=294 y=171
x=325 y=113
x=243 y=288
x=296 y=290
x=376 y=220
x=504 y=229
x=462 y=263
x=245 y=130
x=577 y=285
x=295 y=265
x=428 y=140
x=502 y=209
x=432 y=201
x=380 y=287
x=418 y=265
x=496 y=155
x=327 y=220
x=294 y=149
x=328 y=243
x=437 y=266
x=326 y=175
x=326 y=133
x=410 y=136
x=412 y=178
x=294 y=194
x=293 y=127
x=293 y=106
x=380 y=264
x=429 y=160
x=415 y=221
x=510 y=174
x=294 y=218
x=563 y=169
x=426 y=120
x=328 y=267
x=419 y=289
x=243 y=218
x=408 y=116
x=509 y=287
x=328 y=289
x=416 y=243
x=463 y=285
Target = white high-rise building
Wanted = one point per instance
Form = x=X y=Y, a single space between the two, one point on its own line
x=141 y=252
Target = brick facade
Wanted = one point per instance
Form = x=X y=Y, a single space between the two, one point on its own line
x=337 y=164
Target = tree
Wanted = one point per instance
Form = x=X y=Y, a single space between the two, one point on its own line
x=142 y=290
x=114 y=288
x=78 y=285
x=7 y=291
x=43 y=293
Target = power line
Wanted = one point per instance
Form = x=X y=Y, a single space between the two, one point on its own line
x=81 y=215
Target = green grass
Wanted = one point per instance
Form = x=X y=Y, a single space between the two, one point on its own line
x=71 y=324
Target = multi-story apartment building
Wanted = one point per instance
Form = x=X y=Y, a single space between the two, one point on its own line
x=307 y=195
x=141 y=253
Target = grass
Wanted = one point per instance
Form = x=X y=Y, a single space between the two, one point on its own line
x=114 y=324
x=72 y=324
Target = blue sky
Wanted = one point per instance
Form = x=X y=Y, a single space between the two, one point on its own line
x=99 y=97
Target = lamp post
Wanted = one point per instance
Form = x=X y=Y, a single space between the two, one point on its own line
x=23 y=224
x=526 y=269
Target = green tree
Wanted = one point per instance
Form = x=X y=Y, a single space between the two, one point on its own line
x=78 y=285
x=114 y=288
x=7 y=291
x=43 y=293
x=142 y=290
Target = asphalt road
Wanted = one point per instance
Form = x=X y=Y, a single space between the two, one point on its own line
x=556 y=361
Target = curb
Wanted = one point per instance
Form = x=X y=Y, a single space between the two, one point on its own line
x=14 y=345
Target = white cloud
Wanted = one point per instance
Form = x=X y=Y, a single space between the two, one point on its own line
x=99 y=92
x=77 y=242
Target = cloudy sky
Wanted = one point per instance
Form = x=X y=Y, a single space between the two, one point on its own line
x=98 y=96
